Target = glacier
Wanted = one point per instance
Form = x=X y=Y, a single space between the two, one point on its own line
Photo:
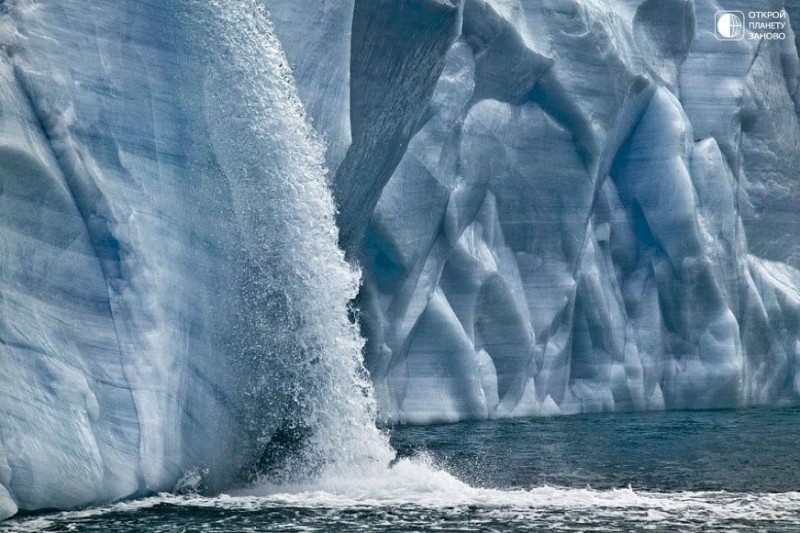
x=596 y=212
x=558 y=207
x=172 y=290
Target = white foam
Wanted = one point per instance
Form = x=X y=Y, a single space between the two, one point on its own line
x=416 y=484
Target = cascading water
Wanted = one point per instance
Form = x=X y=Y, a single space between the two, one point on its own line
x=298 y=299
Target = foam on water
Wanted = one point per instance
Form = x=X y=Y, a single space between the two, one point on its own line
x=417 y=482
x=414 y=490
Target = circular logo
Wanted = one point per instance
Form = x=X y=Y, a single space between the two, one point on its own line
x=730 y=26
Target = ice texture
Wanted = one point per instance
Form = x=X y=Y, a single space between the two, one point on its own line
x=170 y=276
x=559 y=207
x=597 y=213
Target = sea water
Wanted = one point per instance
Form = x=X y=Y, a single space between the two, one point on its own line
x=673 y=471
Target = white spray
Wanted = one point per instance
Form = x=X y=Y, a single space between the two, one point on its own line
x=274 y=165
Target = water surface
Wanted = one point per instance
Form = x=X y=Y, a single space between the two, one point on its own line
x=677 y=471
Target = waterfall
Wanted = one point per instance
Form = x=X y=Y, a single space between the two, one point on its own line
x=298 y=300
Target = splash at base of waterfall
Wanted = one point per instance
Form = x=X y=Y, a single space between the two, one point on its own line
x=698 y=471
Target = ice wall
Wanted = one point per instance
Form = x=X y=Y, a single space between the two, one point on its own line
x=163 y=201
x=598 y=212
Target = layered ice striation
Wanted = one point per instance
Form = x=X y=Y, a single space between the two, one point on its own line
x=172 y=295
x=596 y=211
x=559 y=206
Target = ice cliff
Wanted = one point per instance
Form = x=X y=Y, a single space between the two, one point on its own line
x=559 y=206
x=595 y=211
x=171 y=289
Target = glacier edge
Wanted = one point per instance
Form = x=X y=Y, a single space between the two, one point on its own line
x=559 y=207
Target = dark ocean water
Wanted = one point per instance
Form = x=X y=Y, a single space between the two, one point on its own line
x=745 y=451
x=678 y=471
